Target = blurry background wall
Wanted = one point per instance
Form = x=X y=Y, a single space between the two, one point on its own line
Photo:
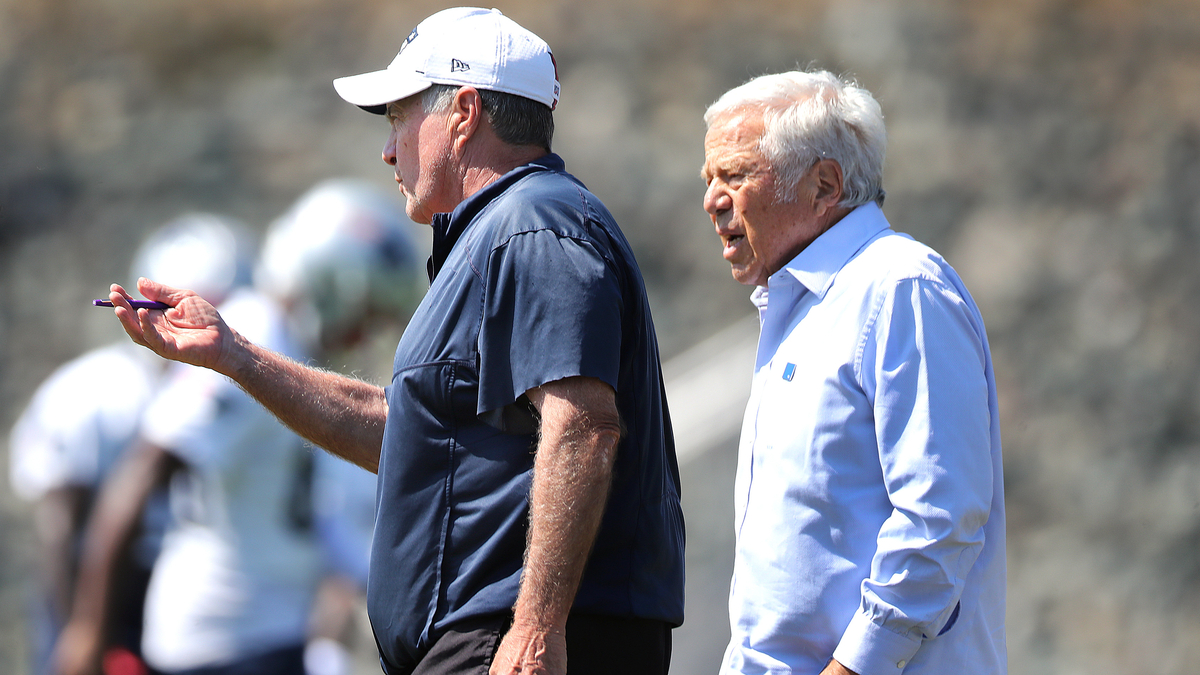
x=1049 y=148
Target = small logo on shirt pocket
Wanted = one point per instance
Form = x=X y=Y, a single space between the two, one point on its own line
x=789 y=371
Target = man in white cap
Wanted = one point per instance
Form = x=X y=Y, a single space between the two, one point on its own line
x=528 y=487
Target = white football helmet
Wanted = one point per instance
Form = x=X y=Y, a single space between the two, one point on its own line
x=203 y=252
x=343 y=252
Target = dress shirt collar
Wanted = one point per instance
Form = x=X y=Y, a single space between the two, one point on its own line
x=817 y=265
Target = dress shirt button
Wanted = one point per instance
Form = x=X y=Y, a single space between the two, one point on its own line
x=901 y=663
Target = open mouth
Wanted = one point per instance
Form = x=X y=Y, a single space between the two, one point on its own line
x=731 y=242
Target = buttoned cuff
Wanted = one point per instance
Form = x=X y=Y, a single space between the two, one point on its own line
x=870 y=649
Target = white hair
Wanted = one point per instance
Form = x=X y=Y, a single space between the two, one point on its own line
x=437 y=98
x=809 y=116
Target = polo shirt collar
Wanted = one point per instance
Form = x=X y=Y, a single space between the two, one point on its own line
x=817 y=265
x=448 y=228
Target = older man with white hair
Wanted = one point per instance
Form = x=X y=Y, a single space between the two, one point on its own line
x=869 y=493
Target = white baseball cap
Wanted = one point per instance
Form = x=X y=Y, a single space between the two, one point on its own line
x=460 y=46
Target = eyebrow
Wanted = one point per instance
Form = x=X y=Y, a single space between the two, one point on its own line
x=394 y=110
x=728 y=164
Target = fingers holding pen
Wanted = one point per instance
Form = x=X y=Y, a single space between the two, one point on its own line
x=140 y=322
x=176 y=324
x=126 y=314
x=162 y=292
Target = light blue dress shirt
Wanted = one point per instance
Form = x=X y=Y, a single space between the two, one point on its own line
x=869 y=496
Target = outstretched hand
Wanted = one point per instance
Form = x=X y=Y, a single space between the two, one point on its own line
x=190 y=331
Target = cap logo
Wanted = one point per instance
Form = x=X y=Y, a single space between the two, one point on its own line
x=554 y=62
x=457 y=66
x=411 y=36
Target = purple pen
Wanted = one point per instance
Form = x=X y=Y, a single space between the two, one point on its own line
x=136 y=304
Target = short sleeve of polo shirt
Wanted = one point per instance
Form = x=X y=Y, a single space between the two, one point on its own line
x=552 y=310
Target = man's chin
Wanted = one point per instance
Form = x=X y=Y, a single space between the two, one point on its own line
x=415 y=214
x=747 y=277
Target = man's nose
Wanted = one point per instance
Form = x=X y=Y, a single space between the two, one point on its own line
x=389 y=149
x=716 y=199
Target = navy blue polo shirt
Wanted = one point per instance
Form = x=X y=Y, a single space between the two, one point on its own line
x=531 y=282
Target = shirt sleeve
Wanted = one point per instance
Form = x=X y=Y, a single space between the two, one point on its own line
x=924 y=365
x=552 y=310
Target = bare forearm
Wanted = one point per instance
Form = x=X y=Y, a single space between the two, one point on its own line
x=580 y=429
x=572 y=474
x=342 y=414
x=568 y=500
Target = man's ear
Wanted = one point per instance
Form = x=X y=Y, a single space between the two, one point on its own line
x=466 y=114
x=828 y=178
